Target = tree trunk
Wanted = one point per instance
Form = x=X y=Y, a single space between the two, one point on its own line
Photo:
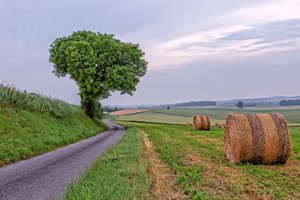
x=89 y=108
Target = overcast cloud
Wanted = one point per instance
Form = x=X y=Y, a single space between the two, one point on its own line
x=197 y=50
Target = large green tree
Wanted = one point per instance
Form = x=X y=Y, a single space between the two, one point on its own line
x=100 y=64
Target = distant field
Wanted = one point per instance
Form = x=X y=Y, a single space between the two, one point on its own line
x=127 y=112
x=217 y=114
x=155 y=117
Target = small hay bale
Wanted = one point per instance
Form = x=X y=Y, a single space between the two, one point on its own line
x=257 y=139
x=217 y=125
x=224 y=125
x=181 y=124
x=189 y=124
x=201 y=123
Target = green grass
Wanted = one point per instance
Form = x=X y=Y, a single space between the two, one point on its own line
x=13 y=98
x=120 y=174
x=198 y=160
x=204 y=173
x=24 y=134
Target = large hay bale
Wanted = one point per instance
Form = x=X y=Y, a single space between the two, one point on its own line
x=217 y=125
x=201 y=123
x=257 y=138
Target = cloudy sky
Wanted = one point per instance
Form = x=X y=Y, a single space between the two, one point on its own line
x=197 y=50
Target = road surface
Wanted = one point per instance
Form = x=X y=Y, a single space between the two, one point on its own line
x=46 y=177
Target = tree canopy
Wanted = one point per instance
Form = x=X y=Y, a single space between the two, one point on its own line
x=240 y=104
x=99 y=63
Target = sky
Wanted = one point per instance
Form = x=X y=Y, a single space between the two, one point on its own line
x=196 y=50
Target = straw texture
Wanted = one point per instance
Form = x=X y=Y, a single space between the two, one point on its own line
x=257 y=138
x=201 y=123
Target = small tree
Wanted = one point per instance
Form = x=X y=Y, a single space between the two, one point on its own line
x=100 y=64
x=240 y=104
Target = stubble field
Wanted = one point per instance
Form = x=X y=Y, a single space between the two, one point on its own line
x=173 y=161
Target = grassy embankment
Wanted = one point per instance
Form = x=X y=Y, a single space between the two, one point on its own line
x=31 y=124
x=197 y=158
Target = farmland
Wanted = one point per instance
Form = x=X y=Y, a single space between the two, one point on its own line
x=195 y=159
x=204 y=173
x=151 y=116
x=216 y=114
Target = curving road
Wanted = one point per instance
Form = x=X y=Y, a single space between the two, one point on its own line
x=47 y=176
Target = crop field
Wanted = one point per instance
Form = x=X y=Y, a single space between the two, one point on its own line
x=127 y=112
x=184 y=164
x=155 y=117
x=198 y=158
x=216 y=114
x=199 y=162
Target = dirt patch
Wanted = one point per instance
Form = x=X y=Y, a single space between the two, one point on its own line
x=127 y=112
x=163 y=183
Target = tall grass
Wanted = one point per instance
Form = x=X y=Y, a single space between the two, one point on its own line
x=11 y=97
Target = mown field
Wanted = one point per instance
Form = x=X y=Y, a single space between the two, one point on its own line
x=198 y=159
x=196 y=162
x=186 y=164
x=216 y=114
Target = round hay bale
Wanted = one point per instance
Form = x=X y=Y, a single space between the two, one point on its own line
x=257 y=138
x=217 y=125
x=201 y=123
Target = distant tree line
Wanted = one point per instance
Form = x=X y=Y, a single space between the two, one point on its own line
x=196 y=103
x=289 y=102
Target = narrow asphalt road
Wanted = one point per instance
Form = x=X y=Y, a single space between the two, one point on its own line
x=46 y=177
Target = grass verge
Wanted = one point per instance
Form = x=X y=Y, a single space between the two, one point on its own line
x=24 y=134
x=120 y=174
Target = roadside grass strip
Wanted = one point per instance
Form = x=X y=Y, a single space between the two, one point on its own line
x=120 y=174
